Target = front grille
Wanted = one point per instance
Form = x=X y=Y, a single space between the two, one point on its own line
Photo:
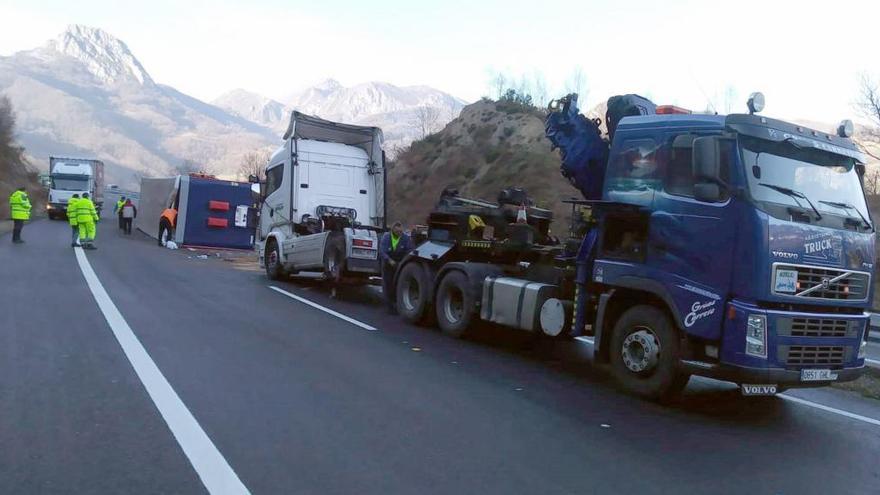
x=818 y=327
x=851 y=287
x=802 y=355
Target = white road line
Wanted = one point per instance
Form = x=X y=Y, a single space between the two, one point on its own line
x=212 y=468
x=324 y=309
x=830 y=409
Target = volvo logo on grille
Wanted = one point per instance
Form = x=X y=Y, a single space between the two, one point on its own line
x=826 y=283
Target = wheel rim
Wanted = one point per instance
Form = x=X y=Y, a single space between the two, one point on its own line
x=641 y=350
x=273 y=258
x=453 y=305
x=410 y=294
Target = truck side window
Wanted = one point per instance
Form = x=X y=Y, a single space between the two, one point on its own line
x=638 y=166
x=274 y=176
x=680 y=170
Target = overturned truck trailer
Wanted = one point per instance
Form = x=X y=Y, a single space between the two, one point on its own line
x=199 y=211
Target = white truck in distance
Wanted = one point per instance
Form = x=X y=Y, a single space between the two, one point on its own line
x=71 y=176
x=323 y=202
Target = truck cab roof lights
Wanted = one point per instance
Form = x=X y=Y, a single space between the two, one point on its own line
x=756 y=102
x=671 y=109
x=845 y=129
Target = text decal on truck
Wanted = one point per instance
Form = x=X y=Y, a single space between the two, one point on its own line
x=699 y=310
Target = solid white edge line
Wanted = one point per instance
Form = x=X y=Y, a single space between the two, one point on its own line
x=324 y=309
x=830 y=409
x=807 y=403
x=210 y=465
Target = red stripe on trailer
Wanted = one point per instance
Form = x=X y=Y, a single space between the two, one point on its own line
x=218 y=205
x=221 y=223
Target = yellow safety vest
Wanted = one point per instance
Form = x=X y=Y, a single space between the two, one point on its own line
x=71 y=211
x=85 y=211
x=20 y=206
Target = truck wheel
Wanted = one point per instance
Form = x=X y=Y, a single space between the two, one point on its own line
x=274 y=267
x=455 y=304
x=645 y=350
x=412 y=294
x=166 y=233
x=334 y=259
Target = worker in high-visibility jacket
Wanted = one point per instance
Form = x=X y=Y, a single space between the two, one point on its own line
x=20 y=207
x=71 y=219
x=118 y=211
x=86 y=217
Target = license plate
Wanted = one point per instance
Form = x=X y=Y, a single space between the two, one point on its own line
x=758 y=389
x=817 y=375
x=786 y=281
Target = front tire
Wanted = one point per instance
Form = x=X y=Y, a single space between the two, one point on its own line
x=455 y=305
x=645 y=350
x=272 y=259
x=413 y=294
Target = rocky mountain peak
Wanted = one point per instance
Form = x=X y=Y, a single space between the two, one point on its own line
x=106 y=57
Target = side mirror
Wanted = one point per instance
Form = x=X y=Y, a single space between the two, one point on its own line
x=253 y=179
x=256 y=192
x=706 y=161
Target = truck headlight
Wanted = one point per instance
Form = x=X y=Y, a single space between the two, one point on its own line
x=863 y=349
x=756 y=336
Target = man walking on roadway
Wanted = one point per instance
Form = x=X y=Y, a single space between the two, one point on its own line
x=20 y=207
x=392 y=248
x=129 y=213
x=118 y=211
x=86 y=216
x=71 y=219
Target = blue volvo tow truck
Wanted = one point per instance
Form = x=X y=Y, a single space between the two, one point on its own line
x=735 y=247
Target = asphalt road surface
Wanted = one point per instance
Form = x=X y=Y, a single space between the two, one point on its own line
x=230 y=386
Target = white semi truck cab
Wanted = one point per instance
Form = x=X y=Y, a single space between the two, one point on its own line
x=323 y=202
x=69 y=176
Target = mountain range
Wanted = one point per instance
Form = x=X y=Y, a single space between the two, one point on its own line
x=86 y=94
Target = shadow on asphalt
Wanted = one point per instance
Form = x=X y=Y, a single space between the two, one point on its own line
x=703 y=398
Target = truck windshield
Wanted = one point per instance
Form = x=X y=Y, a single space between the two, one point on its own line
x=826 y=179
x=70 y=184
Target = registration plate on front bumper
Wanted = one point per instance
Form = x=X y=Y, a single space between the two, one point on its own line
x=817 y=375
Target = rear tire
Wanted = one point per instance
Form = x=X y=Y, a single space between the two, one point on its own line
x=334 y=259
x=272 y=259
x=645 y=350
x=455 y=305
x=413 y=294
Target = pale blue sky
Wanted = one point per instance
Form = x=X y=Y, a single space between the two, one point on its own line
x=805 y=56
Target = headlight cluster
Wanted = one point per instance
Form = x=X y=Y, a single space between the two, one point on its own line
x=756 y=336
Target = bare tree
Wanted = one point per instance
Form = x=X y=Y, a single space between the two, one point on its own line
x=867 y=104
x=188 y=166
x=499 y=84
x=426 y=119
x=872 y=181
x=253 y=163
x=539 y=90
x=577 y=83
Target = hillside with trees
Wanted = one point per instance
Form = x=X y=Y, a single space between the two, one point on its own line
x=14 y=168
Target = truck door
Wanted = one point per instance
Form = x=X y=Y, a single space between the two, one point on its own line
x=275 y=211
x=691 y=242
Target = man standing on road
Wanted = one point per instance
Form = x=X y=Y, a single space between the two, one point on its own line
x=20 y=207
x=392 y=248
x=129 y=213
x=86 y=216
x=118 y=211
x=71 y=219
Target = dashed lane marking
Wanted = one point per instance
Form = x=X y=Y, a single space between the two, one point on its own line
x=210 y=465
x=324 y=309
